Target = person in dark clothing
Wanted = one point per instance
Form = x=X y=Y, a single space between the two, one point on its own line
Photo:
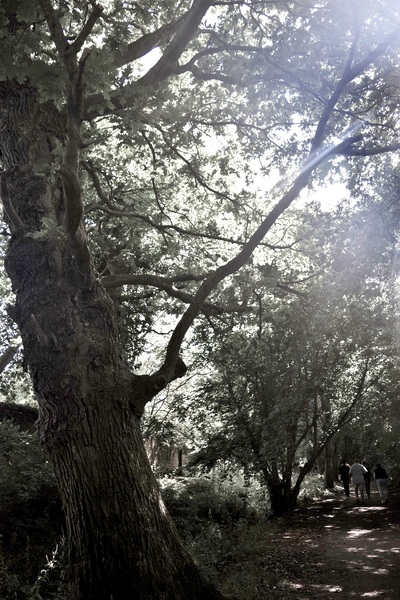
x=344 y=472
x=381 y=478
x=367 y=479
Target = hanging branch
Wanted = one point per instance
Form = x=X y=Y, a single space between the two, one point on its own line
x=167 y=285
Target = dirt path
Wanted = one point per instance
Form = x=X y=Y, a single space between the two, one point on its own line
x=354 y=550
x=331 y=549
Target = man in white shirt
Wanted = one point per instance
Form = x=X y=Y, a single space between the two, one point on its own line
x=356 y=473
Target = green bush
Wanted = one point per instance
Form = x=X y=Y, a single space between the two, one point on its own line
x=313 y=486
x=49 y=585
x=30 y=512
x=24 y=472
x=213 y=517
x=194 y=501
x=11 y=587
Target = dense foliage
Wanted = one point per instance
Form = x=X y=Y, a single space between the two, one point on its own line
x=165 y=189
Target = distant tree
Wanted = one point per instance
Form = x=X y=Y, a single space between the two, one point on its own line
x=118 y=176
x=311 y=360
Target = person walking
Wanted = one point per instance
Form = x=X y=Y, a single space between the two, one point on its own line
x=344 y=470
x=367 y=479
x=357 y=472
x=381 y=479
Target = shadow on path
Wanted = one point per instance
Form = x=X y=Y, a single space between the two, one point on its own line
x=355 y=554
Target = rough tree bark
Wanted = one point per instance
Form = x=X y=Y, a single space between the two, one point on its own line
x=122 y=541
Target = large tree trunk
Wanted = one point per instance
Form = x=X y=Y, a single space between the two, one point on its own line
x=122 y=541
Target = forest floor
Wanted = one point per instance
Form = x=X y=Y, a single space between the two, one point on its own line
x=328 y=549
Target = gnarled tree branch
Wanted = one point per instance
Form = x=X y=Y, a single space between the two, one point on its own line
x=241 y=258
x=185 y=29
x=16 y=223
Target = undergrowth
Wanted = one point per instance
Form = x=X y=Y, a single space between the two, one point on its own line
x=220 y=518
x=213 y=517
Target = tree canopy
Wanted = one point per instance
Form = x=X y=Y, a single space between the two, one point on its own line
x=289 y=377
x=148 y=155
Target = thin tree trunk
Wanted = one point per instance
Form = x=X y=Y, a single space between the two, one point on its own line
x=330 y=465
x=280 y=492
